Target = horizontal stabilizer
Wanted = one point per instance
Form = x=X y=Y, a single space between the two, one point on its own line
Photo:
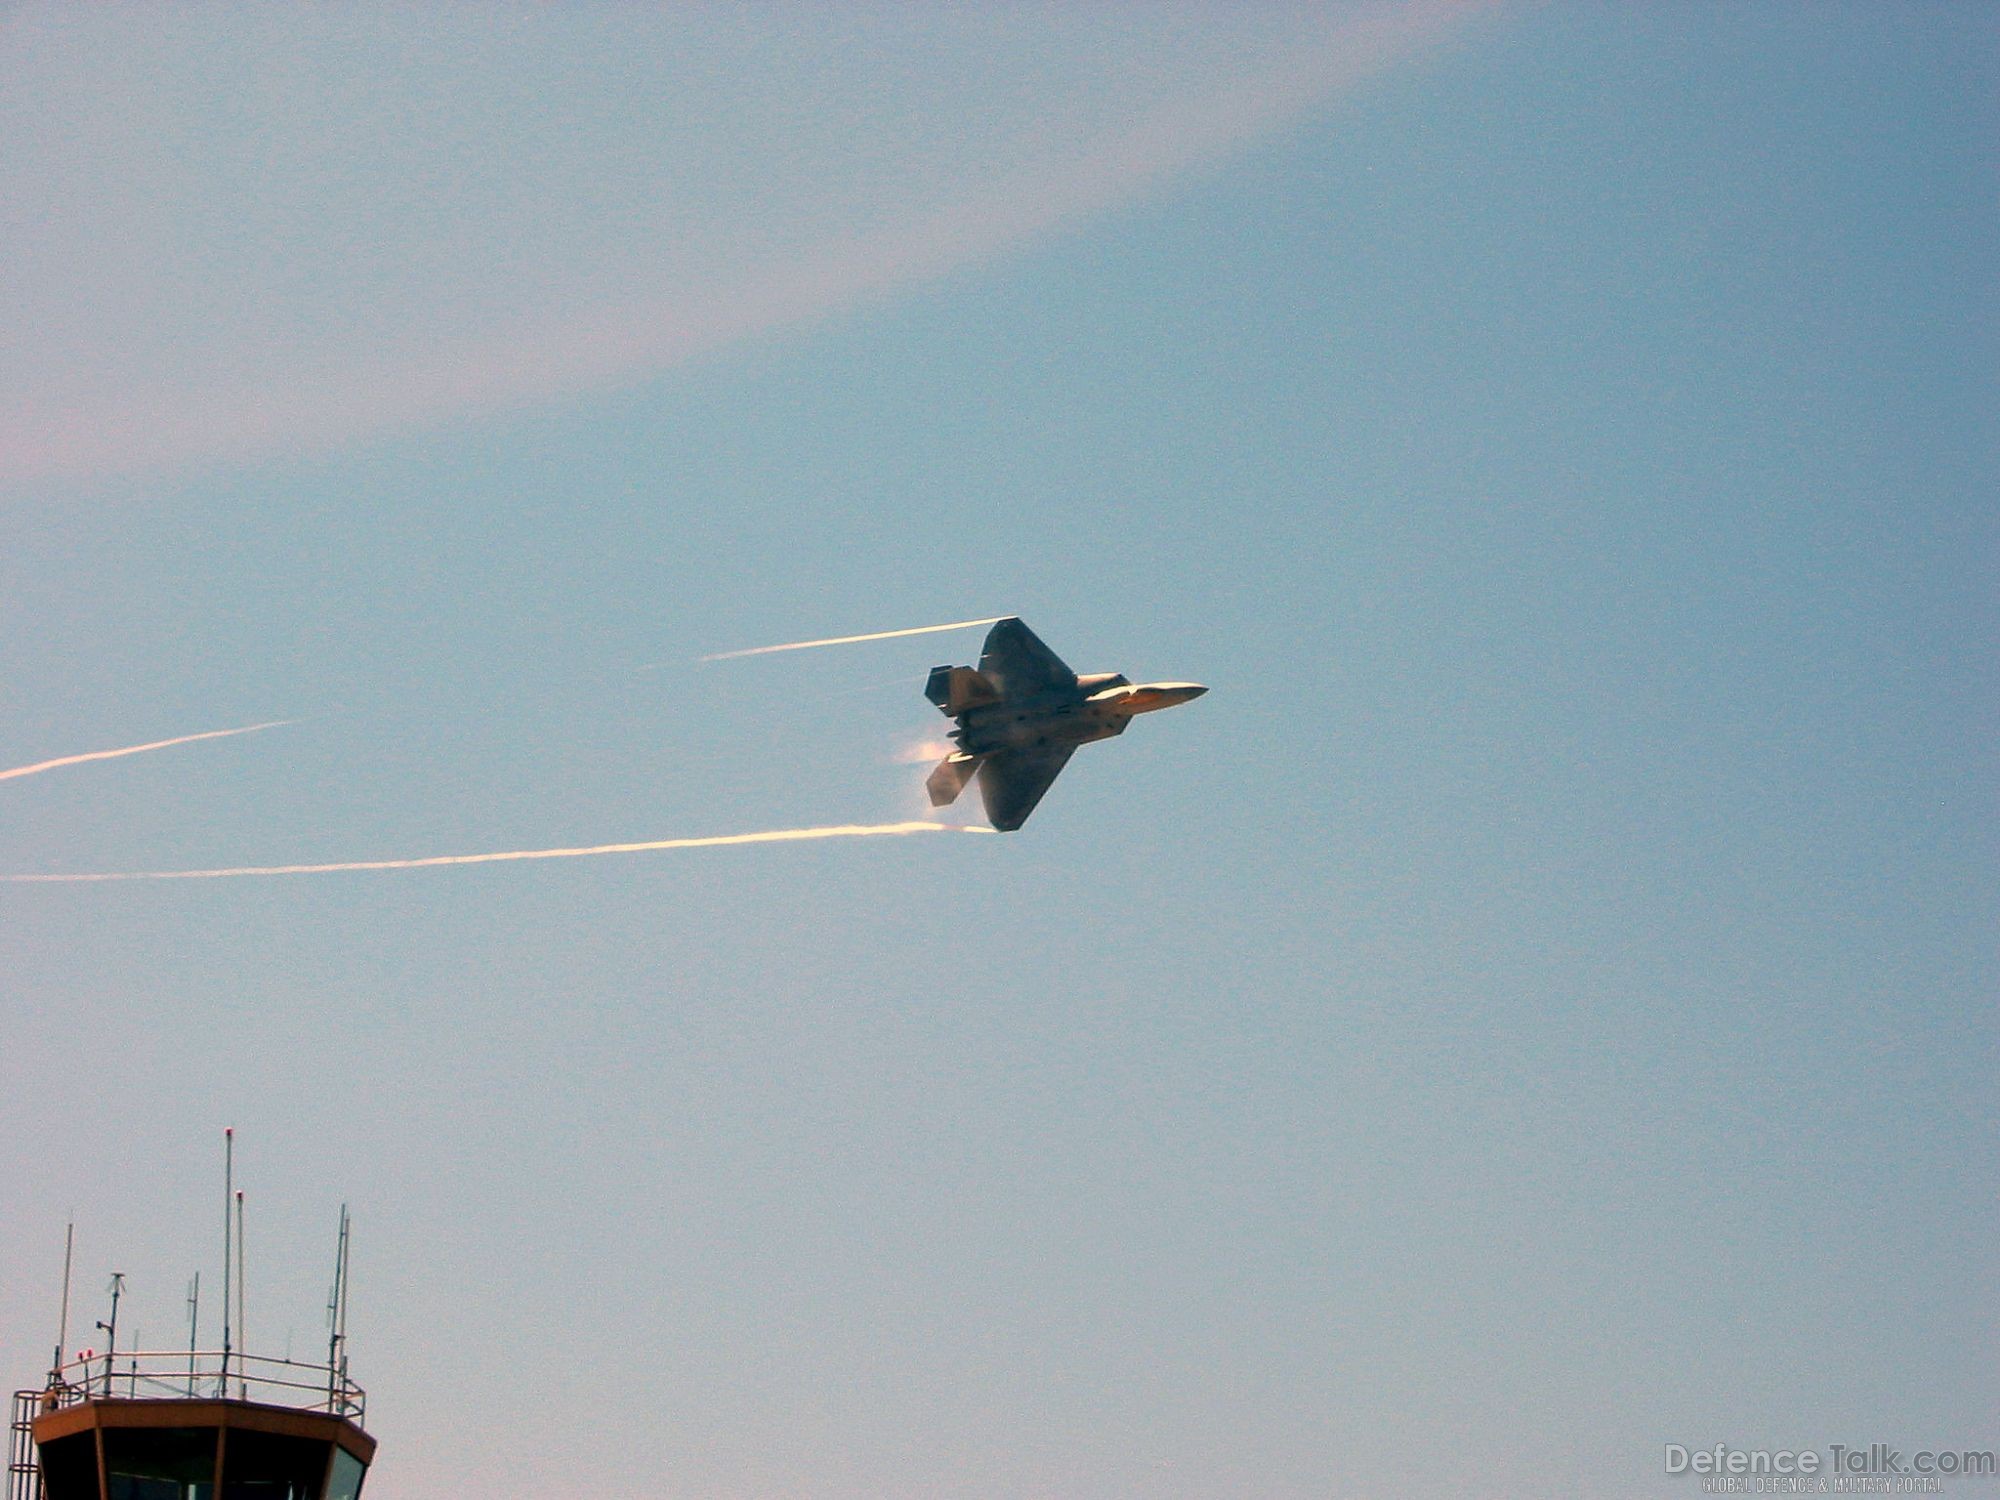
x=950 y=777
x=955 y=689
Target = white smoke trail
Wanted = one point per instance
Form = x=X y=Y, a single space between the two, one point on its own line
x=922 y=752
x=185 y=739
x=849 y=640
x=713 y=841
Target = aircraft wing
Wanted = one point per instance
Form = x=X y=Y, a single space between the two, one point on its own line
x=1011 y=782
x=1016 y=662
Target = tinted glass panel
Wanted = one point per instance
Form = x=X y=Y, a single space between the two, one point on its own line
x=130 y=1487
x=348 y=1472
x=163 y=1463
x=69 y=1468
x=265 y=1466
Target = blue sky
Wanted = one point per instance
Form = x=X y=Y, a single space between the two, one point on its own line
x=1537 y=1008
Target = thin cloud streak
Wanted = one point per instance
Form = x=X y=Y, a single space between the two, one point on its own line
x=335 y=396
x=850 y=640
x=714 y=841
x=185 y=739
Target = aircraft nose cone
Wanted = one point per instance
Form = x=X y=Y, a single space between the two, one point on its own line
x=1157 y=695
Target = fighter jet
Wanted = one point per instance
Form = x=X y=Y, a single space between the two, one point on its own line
x=1021 y=713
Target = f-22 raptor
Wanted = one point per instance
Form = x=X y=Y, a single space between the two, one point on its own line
x=1022 y=712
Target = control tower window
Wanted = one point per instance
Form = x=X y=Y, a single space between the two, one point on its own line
x=69 y=1468
x=159 y=1463
x=344 y=1483
x=269 y=1466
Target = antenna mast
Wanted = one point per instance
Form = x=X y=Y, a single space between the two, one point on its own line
x=346 y=1269
x=194 y=1325
x=336 y=1318
x=242 y=1383
x=228 y=1194
x=111 y=1328
x=62 y=1329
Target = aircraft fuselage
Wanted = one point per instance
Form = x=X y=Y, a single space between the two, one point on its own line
x=1078 y=718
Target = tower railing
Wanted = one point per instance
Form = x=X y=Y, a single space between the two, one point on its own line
x=197 y=1375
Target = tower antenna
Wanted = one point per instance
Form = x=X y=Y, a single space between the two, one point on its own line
x=242 y=1372
x=194 y=1325
x=336 y=1318
x=62 y=1329
x=346 y=1271
x=111 y=1328
x=228 y=1195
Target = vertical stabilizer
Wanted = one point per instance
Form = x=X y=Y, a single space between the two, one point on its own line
x=955 y=689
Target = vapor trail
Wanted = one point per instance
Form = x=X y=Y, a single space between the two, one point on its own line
x=849 y=640
x=714 y=841
x=186 y=739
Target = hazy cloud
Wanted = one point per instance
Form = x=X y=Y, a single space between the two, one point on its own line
x=233 y=233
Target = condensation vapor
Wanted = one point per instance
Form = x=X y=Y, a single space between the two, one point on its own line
x=715 y=841
x=185 y=739
x=850 y=640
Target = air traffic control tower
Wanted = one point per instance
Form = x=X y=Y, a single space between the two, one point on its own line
x=189 y=1426
x=189 y=1423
